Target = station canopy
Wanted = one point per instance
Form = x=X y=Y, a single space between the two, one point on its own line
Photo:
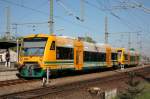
x=7 y=44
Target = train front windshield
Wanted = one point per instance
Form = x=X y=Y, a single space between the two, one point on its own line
x=34 y=46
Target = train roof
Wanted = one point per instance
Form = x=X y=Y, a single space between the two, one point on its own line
x=67 y=37
x=37 y=35
x=133 y=52
x=65 y=41
x=96 y=47
x=68 y=41
x=114 y=49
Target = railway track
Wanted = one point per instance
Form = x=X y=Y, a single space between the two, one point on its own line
x=14 y=82
x=43 y=91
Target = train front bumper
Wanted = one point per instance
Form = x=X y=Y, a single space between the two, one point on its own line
x=31 y=70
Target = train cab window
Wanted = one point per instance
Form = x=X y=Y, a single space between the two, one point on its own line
x=33 y=46
x=64 y=53
x=52 y=47
x=114 y=56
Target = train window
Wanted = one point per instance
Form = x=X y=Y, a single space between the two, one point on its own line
x=125 y=56
x=87 y=56
x=37 y=51
x=94 y=56
x=102 y=57
x=114 y=56
x=138 y=58
x=132 y=58
x=52 y=45
x=64 y=53
x=34 y=42
x=119 y=50
x=33 y=46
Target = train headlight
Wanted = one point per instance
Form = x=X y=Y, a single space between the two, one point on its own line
x=20 y=59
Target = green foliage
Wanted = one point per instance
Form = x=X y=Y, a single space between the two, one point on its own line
x=134 y=88
x=132 y=49
x=3 y=39
x=145 y=94
x=88 y=39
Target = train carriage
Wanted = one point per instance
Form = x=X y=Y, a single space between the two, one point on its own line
x=134 y=58
x=127 y=57
x=96 y=56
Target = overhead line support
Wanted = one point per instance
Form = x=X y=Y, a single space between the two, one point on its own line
x=51 y=20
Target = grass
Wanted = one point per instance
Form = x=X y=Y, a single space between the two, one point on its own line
x=146 y=93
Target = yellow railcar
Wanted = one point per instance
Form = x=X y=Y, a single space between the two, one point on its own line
x=59 y=53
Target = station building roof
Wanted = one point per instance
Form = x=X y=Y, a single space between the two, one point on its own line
x=7 y=44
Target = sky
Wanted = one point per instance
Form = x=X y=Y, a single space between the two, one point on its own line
x=124 y=17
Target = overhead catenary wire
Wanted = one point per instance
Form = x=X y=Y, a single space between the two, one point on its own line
x=111 y=13
x=29 y=8
x=70 y=12
x=85 y=1
x=23 y=6
x=137 y=26
x=45 y=13
x=28 y=14
x=30 y=23
x=128 y=24
x=75 y=23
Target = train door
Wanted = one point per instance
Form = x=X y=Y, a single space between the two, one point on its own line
x=78 y=55
x=128 y=57
x=136 y=58
x=108 y=56
x=120 y=56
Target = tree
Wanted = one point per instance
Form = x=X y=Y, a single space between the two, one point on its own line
x=133 y=89
x=88 y=39
x=3 y=39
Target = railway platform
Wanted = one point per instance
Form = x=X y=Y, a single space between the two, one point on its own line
x=3 y=68
x=7 y=73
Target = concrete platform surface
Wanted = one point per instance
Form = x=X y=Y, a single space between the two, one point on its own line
x=4 y=68
x=7 y=73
